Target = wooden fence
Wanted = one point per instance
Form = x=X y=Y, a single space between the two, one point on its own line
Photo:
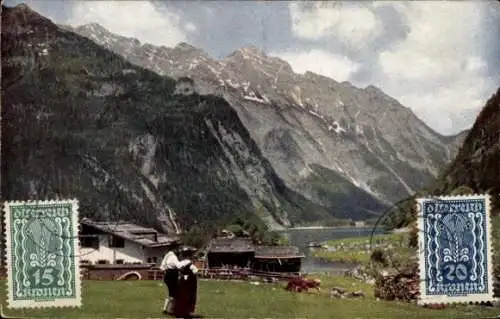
x=115 y=272
x=152 y=272
x=243 y=274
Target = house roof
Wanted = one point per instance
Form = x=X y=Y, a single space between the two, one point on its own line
x=132 y=232
x=277 y=252
x=231 y=245
x=238 y=245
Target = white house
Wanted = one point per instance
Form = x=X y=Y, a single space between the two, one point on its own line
x=121 y=243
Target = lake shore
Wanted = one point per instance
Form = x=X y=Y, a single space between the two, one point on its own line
x=303 y=236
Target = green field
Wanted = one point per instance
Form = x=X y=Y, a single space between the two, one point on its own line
x=359 y=249
x=223 y=299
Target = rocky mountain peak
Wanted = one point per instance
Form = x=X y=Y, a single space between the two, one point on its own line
x=186 y=52
x=259 y=56
x=376 y=92
x=96 y=31
x=318 y=77
x=23 y=8
x=23 y=16
x=252 y=50
x=93 y=27
x=183 y=46
x=373 y=89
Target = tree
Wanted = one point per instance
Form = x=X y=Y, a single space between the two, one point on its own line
x=413 y=235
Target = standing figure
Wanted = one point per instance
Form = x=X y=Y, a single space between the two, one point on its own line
x=171 y=265
x=185 y=302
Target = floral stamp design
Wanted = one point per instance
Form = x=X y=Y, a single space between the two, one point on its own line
x=455 y=246
x=42 y=254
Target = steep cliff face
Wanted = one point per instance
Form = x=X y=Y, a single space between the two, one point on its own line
x=477 y=164
x=81 y=121
x=307 y=123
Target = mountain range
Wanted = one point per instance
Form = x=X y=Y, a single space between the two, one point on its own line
x=304 y=121
x=170 y=137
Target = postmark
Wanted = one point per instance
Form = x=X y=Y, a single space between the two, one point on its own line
x=455 y=249
x=43 y=268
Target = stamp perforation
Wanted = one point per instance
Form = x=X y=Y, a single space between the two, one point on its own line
x=74 y=259
x=424 y=298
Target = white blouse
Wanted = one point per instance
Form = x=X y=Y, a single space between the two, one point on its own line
x=170 y=261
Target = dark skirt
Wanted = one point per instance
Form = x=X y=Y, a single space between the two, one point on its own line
x=185 y=302
x=171 y=279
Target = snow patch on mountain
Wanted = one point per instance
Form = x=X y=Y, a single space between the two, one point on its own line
x=411 y=152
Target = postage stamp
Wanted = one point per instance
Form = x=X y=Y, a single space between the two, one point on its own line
x=455 y=249
x=43 y=268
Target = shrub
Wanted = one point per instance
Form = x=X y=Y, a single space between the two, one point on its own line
x=379 y=257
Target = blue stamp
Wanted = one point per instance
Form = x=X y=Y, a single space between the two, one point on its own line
x=455 y=249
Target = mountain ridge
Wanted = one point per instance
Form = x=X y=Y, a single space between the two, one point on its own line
x=259 y=87
x=81 y=121
x=82 y=29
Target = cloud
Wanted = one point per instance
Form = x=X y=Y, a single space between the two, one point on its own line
x=439 y=70
x=139 y=19
x=448 y=108
x=355 y=25
x=321 y=62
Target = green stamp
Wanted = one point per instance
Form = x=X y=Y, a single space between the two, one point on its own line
x=43 y=266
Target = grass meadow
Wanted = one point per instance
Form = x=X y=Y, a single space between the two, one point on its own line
x=225 y=299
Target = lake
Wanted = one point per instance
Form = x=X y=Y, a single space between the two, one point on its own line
x=301 y=237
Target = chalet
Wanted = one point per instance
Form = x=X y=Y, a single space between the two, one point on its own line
x=277 y=259
x=241 y=252
x=121 y=243
x=230 y=252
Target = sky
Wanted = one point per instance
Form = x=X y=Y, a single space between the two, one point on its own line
x=439 y=58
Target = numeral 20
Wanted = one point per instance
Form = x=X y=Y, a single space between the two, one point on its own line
x=458 y=271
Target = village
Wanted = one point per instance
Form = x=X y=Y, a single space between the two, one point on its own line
x=122 y=250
